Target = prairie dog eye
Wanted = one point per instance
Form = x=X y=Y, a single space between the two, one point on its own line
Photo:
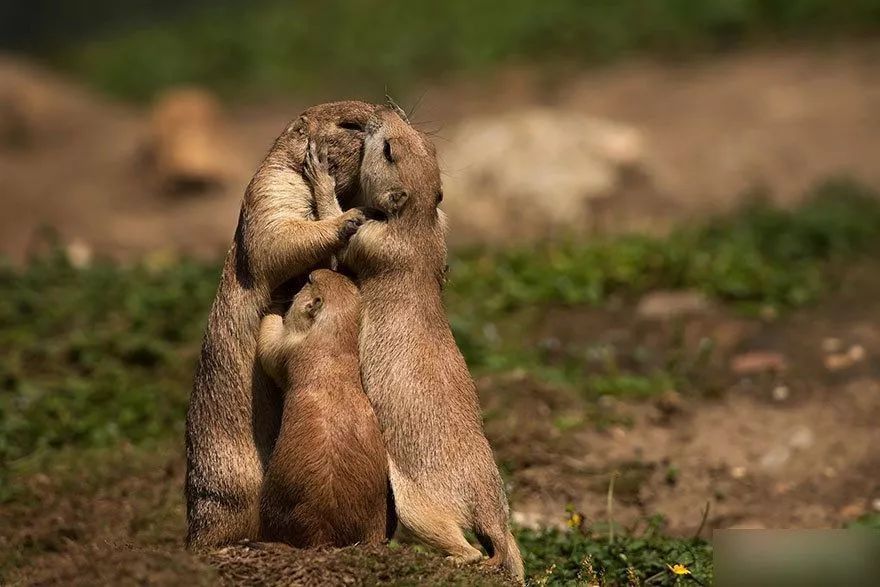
x=386 y=150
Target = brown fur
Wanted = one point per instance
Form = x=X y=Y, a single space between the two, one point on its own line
x=441 y=467
x=327 y=480
x=235 y=410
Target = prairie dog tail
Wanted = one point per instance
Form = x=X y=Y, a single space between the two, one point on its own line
x=512 y=561
x=504 y=551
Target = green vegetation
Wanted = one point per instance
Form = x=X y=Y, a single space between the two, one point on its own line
x=92 y=357
x=308 y=46
x=574 y=557
x=762 y=258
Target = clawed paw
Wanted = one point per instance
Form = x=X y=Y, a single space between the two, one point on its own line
x=316 y=167
x=354 y=219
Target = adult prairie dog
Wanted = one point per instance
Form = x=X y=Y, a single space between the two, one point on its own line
x=235 y=409
x=327 y=480
x=441 y=467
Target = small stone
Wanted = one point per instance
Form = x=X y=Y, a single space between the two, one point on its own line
x=830 y=472
x=782 y=488
x=670 y=402
x=775 y=458
x=832 y=345
x=856 y=353
x=781 y=393
x=79 y=253
x=531 y=520
x=802 y=438
x=875 y=504
x=667 y=305
x=755 y=362
x=838 y=362
x=738 y=472
x=617 y=432
x=853 y=510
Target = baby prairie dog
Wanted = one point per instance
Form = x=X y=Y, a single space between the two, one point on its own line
x=327 y=479
x=441 y=467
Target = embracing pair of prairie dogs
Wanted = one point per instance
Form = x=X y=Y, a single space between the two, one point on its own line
x=440 y=465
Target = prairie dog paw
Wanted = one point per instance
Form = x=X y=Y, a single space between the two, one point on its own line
x=352 y=220
x=316 y=168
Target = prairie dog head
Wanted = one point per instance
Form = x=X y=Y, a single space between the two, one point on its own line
x=328 y=300
x=400 y=177
x=399 y=172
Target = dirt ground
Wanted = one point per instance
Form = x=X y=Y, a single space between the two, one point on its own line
x=787 y=441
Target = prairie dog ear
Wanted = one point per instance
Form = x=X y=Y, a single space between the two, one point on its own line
x=396 y=200
x=314 y=306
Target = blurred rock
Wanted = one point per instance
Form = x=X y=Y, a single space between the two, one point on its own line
x=781 y=393
x=775 y=458
x=79 y=253
x=755 y=362
x=667 y=305
x=188 y=144
x=832 y=345
x=738 y=472
x=853 y=510
x=536 y=172
x=802 y=438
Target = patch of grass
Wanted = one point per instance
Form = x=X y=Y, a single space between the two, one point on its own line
x=572 y=557
x=761 y=257
x=867 y=522
x=105 y=354
x=275 y=45
x=96 y=356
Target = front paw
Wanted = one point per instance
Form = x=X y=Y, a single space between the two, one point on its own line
x=316 y=168
x=351 y=222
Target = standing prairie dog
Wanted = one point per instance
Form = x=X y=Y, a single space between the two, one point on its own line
x=441 y=467
x=235 y=409
x=327 y=480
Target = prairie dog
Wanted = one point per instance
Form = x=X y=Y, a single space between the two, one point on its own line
x=441 y=467
x=327 y=480
x=235 y=410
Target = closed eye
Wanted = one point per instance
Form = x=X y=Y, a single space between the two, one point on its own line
x=352 y=126
x=386 y=150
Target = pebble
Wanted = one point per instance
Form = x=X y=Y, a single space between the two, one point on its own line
x=79 y=253
x=738 y=472
x=666 y=305
x=775 y=458
x=832 y=345
x=802 y=438
x=755 y=362
x=781 y=393
x=853 y=510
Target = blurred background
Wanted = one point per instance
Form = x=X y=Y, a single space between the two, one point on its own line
x=664 y=221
